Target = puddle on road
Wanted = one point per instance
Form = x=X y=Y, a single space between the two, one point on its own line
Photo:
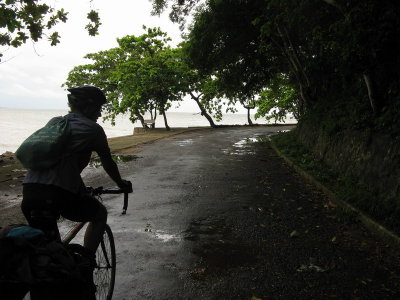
x=95 y=162
x=242 y=147
x=245 y=142
x=183 y=143
x=166 y=237
x=160 y=235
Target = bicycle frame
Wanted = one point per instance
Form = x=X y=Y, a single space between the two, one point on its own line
x=72 y=233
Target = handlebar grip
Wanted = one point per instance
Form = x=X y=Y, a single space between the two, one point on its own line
x=129 y=189
x=100 y=191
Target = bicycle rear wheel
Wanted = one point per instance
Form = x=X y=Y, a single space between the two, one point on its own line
x=104 y=272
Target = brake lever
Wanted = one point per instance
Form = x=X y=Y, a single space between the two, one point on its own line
x=125 y=204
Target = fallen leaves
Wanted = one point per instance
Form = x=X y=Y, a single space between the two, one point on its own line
x=310 y=268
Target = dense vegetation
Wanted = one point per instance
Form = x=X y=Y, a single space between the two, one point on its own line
x=338 y=59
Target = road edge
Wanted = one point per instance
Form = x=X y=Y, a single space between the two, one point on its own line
x=376 y=228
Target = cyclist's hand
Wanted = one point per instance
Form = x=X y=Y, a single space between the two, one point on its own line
x=126 y=186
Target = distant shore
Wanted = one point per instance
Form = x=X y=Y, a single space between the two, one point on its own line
x=18 y=124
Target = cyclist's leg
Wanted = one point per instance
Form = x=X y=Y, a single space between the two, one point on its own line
x=87 y=209
x=94 y=231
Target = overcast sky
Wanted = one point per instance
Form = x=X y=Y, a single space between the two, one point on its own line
x=31 y=76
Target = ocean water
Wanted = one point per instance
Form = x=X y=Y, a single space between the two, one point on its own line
x=17 y=124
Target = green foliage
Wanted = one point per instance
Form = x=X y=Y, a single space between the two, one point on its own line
x=278 y=99
x=21 y=20
x=179 y=9
x=326 y=49
x=211 y=98
x=287 y=143
x=227 y=41
x=93 y=26
x=142 y=74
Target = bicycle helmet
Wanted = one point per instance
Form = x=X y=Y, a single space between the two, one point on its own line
x=86 y=94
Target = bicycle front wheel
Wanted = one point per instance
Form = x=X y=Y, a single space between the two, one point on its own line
x=104 y=272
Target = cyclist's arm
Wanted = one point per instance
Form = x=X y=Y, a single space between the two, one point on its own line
x=103 y=150
x=111 y=168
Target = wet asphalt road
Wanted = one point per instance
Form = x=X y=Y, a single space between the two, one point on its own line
x=177 y=182
x=217 y=215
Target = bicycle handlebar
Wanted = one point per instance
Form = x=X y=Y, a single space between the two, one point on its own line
x=100 y=191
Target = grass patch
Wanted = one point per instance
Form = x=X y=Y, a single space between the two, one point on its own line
x=287 y=143
x=345 y=188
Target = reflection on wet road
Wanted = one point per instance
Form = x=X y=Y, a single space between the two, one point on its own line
x=95 y=162
x=242 y=147
x=184 y=142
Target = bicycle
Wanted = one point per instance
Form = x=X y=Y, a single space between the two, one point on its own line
x=104 y=271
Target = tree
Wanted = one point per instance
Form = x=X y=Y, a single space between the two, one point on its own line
x=140 y=75
x=278 y=99
x=225 y=40
x=203 y=92
x=143 y=70
x=21 y=20
x=201 y=89
x=326 y=49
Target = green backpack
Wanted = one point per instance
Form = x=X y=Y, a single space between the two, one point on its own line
x=45 y=147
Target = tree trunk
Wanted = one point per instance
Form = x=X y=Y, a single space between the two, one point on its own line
x=165 y=121
x=248 y=116
x=371 y=92
x=203 y=111
x=153 y=117
x=140 y=117
x=294 y=61
x=248 y=107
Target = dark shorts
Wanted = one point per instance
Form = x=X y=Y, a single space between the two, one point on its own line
x=59 y=201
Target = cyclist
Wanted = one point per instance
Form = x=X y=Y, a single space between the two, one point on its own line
x=60 y=188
